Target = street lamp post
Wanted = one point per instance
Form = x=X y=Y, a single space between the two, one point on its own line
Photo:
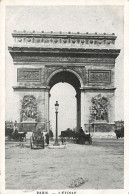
x=56 y=109
x=15 y=125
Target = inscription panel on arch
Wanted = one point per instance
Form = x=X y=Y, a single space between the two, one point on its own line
x=99 y=76
x=28 y=75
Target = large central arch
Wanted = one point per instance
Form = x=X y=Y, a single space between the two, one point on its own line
x=73 y=79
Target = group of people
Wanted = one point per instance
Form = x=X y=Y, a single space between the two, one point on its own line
x=47 y=136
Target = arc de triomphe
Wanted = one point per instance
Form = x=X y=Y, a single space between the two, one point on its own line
x=84 y=60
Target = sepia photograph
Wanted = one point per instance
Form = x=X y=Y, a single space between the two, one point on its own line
x=64 y=97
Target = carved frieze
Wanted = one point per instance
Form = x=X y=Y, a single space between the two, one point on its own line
x=28 y=75
x=63 y=39
x=63 y=47
x=99 y=76
x=63 y=59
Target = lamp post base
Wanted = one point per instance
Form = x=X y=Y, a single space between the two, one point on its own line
x=56 y=143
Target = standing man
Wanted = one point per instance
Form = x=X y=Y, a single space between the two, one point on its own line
x=81 y=130
x=47 y=138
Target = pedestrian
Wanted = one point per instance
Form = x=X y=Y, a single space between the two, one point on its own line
x=62 y=139
x=16 y=135
x=81 y=130
x=47 y=138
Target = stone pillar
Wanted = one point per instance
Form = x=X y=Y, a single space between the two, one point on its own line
x=82 y=108
x=78 y=97
x=49 y=95
x=86 y=109
x=46 y=111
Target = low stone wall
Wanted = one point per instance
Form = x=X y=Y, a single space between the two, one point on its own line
x=100 y=127
x=103 y=134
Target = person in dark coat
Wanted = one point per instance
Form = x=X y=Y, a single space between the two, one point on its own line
x=16 y=136
x=81 y=130
x=62 y=140
x=47 y=138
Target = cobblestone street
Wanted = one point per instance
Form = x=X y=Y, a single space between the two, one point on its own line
x=100 y=164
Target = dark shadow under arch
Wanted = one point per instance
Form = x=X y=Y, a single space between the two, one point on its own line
x=65 y=76
x=72 y=79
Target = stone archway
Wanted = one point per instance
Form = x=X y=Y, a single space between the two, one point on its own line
x=86 y=61
x=73 y=79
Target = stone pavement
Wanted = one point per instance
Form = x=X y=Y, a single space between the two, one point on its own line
x=101 y=165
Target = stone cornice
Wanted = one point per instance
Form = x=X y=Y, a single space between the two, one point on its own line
x=20 y=88
x=63 y=47
x=97 y=89
x=68 y=51
x=51 y=34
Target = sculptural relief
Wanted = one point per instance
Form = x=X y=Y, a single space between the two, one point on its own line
x=99 y=109
x=24 y=75
x=29 y=108
x=99 y=76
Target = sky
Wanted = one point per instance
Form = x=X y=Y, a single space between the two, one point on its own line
x=100 y=19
